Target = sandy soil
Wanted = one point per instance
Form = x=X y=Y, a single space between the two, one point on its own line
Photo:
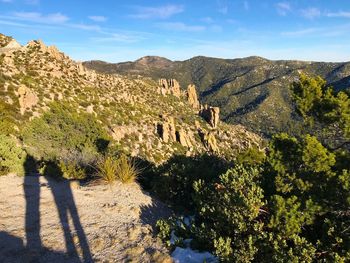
x=49 y=221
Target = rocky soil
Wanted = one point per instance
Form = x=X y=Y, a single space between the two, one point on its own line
x=44 y=220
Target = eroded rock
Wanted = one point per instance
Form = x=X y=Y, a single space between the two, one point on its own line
x=166 y=129
x=192 y=96
x=169 y=86
x=27 y=98
x=209 y=140
x=211 y=115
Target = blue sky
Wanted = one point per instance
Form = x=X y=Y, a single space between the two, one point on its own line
x=114 y=30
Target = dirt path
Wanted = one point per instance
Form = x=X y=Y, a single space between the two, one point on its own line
x=48 y=221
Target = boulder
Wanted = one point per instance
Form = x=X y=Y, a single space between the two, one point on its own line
x=27 y=98
x=192 y=96
x=211 y=115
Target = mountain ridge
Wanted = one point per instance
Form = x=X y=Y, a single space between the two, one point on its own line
x=252 y=91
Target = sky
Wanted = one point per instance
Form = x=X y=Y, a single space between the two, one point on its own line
x=115 y=31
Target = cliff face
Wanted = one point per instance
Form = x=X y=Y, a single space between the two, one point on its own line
x=150 y=119
x=251 y=91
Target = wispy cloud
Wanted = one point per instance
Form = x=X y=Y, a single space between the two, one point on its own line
x=283 y=8
x=55 y=18
x=326 y=31
x=179 y=26
x=120 y=37
x=6 y=1
x=98 y=18
x=162 y=12
x=339 y=14
x=302 y=32
x=311 y=12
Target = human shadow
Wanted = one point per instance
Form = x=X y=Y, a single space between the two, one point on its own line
x=64 y=200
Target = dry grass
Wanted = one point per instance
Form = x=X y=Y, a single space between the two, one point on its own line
x=122 y=169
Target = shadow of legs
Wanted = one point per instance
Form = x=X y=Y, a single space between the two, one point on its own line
x=66 y=206
x=32 y=215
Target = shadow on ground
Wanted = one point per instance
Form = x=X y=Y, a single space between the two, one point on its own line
x=13 y=249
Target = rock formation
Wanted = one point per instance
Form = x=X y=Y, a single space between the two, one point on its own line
x=211 y=115
x=27 y=98
x=183 y=138
x=169 y=86
x=209 y=140
x=166 y=129
x=192 y=96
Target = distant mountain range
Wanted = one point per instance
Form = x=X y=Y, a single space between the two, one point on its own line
x=252 y=91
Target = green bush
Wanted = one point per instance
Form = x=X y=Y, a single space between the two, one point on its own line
x=175 y=179
x=72 y=170
x=12 y=157
x=63 y=132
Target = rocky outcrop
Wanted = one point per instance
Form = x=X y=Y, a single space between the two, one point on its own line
x=169 y=86
x=192 y=96
x=166 y=129
x=51 y=50
x=209 y=140
x=12 y=45
x=183 y=138
x=27 y=98
x=211 y=115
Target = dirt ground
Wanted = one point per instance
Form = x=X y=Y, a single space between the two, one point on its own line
x=45 y=220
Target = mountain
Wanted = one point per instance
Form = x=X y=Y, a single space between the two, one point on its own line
x=145 y=119
x=252 y=91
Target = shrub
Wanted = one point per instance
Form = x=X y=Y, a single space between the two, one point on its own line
x=111 y=169
x=72 y=170
x=107 y=169
x=63 y=132
x=176 y=177
x=127 y=171
x=12 y=157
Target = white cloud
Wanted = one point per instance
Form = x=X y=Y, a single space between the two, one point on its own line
x=311 y=13
x=161 y=12
x=339 y=14
x=178 y=26
x=98 y=18
x=283 y=8
x=55 y=18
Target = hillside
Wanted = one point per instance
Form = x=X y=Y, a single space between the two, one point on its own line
x=144 y=118
x=252 y=91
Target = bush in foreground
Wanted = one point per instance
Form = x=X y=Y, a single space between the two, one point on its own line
x=12 y=157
